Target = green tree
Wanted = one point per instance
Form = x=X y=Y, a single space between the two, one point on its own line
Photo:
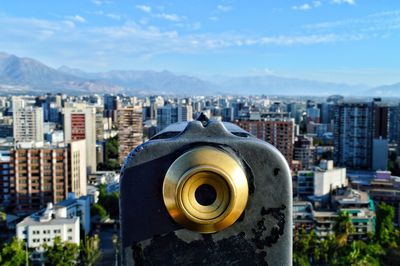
x=102 y=191
x=301 y=247
x=113 y=165
x=3 y=216
x=343 y=228
x=110 y=202
x=97 y=209
x=14 y=253
x=90 y=250
x=112 y=148
x=385 y=231
x=328 y=249
x=360 y=253
x=61 y=254
x=393 y=165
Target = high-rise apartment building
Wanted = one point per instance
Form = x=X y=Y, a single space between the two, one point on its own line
x=79 y=124
x=37 y=174
x=326 y=112
x=99 y=123
x=169 y=114
x=185 y=113
x=313 y=114
x=7 y=180
x=155 y=103
x=110 y=106
x=166 y=116
x=130 y=130
x=6 y=127
x=394 y=125
x=356 y=126
x=28 y=124
x=380 y=121
x=304 y=151
x=278 y=132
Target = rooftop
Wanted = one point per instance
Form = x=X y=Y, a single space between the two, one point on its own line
x=349 y=196
x=35 y=220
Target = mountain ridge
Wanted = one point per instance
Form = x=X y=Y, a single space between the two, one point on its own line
x=22 y=73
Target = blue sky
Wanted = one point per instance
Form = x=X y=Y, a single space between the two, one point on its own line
x=352 y=41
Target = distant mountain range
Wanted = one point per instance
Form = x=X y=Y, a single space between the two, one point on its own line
x=25 y=75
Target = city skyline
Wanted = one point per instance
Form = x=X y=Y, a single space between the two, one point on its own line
x=69 y=163
x=349 y=41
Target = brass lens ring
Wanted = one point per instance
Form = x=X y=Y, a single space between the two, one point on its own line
x=205 y=190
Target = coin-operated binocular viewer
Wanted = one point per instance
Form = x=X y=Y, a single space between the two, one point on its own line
x=206 y=193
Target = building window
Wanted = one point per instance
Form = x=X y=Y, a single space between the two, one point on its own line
x=69 y=230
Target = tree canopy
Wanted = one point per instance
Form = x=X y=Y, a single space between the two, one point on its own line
x=61 y=254
x=13 y=253
x=89 y=250
x=339 y=248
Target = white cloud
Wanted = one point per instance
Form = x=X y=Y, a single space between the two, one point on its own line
x=143 y=21
x=69 y=23
x=76 y=18
x=375 y=23
x=170 y=17
x=224 y=8
x=302 y=7
x=339 y=2
x=101 y=2
x=144 y=8
x=317 y=3
x=302 y=39
x=307 y=6
x=98 y=13
x=134 y=39
x=114 y=16
x=213 y=18
x=262 y=71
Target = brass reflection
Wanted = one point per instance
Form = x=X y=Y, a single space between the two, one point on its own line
x=192 y=171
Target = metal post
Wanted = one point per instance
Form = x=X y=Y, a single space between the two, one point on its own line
x=27 y=253
x=115 y=244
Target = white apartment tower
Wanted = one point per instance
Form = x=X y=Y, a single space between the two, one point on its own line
x=185 y=113
x=80 y=123
x=28 y=124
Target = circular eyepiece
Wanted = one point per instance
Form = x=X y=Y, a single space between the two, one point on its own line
x=205 y=190
x=205 y=195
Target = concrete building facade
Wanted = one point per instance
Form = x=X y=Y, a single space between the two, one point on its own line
x=321 y=180
x=278 y=132
x=28 y=124
x=356 y=126
x=37 y=175
x=43 y=227
x=80 y=124
x=130 y=130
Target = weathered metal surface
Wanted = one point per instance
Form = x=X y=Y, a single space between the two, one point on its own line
x=261 y=236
